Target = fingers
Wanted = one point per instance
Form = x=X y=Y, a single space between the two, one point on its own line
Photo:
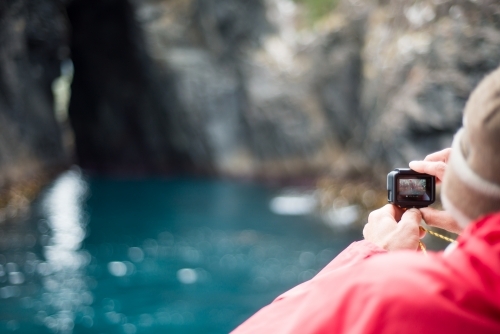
x=413 y=215
x=390 y=210
x=384 y=230
x=439 y=156
x=440 y=219
x=429 y=167
x=433 y=164
x=380 y=224
x=380 y=220
x=398 y=212
x=411 y=220
x=409 y=229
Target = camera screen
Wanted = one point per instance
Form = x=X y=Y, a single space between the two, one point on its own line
x=413 y=189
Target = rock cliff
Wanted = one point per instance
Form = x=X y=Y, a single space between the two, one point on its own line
x=33 y=42
x=421 y=60
x=242 y=88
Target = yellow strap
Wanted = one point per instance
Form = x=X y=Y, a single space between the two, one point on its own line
x=421 y=244
x=437 y=234
x=422 y=247
x=440 y=236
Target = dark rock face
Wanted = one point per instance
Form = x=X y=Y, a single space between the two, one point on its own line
x=239 y=87
x=238 y=91
x=339 y=80
x=117 y=109
x=159 y=80
x=33 y=42
x=241 y=106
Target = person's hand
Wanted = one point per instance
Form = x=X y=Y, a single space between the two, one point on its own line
x=394 y=229
x=435 y=164
x=440 y=219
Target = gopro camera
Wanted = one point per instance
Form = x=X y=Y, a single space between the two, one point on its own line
x=409 y=189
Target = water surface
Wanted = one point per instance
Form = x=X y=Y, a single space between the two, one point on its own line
x=153 y=256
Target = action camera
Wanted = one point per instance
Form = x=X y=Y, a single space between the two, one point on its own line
x=409 y=189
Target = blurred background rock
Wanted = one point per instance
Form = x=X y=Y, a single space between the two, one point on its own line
x=251 y=89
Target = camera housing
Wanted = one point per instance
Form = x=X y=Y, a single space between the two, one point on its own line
x=409 y=189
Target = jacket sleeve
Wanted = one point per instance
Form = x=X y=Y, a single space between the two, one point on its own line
x=353 y=254
x=279 y=316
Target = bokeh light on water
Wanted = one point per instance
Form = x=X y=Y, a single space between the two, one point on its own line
x=63 y=283
x=44 y=286
x=156 y=256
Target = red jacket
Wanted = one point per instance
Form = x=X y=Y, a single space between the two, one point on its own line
x=366 y=290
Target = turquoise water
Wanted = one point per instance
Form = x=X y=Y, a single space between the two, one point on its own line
x=153 y=256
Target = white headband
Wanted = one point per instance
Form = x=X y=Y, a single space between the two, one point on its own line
x=466 y=174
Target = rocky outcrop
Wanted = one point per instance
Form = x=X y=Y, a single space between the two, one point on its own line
x=370 y=87
x=421 y=61
x=158 y=82
x=33 y=42
x=242 y=88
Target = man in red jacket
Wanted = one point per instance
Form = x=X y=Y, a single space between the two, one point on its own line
x=383 y=285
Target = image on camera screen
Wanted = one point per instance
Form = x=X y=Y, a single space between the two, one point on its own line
x=413 y=188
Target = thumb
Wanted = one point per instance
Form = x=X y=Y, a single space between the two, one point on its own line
x=411 y=221
x=412 y=215
x=408 y=230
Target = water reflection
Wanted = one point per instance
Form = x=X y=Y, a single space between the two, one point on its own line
x=294 y=202
x=43 y=287
x=65 y=293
